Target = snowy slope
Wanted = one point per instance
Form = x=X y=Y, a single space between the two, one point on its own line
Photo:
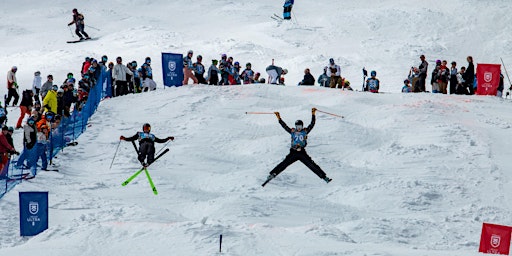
x=412 y=174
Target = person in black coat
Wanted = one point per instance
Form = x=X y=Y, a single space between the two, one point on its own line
x=308 y=78
x=469 y=75
x=146 y=144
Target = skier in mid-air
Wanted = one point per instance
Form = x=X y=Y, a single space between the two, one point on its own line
x=287 y=8
x=146 y=144
x=299 y=136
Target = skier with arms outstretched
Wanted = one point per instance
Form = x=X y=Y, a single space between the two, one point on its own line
x=146 y=144
x=299 y=136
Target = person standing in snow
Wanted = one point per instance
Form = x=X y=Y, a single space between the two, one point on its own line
x=275 y=73
x=423 y=69
x=12 y=87
x=199 y=70
x=299 y=136
x=119 y=77
x=453 y=77
x=334 y=72
x=78 y=20
x=324 y=79
x=188 y=67
x=25 y=106
x=29 y=142
x=36 y=85
x=5 y=149
x=287 y=9
x=248 y=74
x=469 y=75
x=146 y=144
x=46 y=86
x=372 y=83
x=213 y=74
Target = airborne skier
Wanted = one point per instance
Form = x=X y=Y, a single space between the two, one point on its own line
x=299 y=136
x=287 y=8
x=146 y=144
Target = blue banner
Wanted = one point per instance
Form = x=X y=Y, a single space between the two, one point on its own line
x=172 y=69
x=33 y=213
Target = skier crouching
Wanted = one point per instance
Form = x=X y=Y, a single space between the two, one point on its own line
x=299 y=136
x=146 y=144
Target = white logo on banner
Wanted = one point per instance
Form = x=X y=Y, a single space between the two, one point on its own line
x=487 y=77
x=495 y=240
x=33 y=207
x=171 y=65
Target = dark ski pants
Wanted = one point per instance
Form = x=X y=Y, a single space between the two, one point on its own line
x=302 y=156
x=79 y=31
x=12 y=93
x=146 y=150
x=200 y=78
x=121 y=88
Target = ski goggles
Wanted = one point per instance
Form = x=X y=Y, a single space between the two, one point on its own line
x=299 y=127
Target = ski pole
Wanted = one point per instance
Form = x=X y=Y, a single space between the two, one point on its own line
x=135 y=146
x=295 y=17
x=71 y=31
x=329 y=113
x=365 y=74
x=115 y=154
x=259 y=113
x=506 y=72
x=162 y=147
x=92 y=27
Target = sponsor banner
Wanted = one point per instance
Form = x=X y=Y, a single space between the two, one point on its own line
x=33 y=213
x=495 y=239
x=172 y=69
x=488 y=78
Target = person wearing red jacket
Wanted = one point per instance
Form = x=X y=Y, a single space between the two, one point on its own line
x=5 y=150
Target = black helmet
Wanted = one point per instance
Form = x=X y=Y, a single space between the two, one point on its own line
x=299 y=125
x=104 y=58
x=147 y=127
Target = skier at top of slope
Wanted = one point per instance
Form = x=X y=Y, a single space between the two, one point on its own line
x=78 y=19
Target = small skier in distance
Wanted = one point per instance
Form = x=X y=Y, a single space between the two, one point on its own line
x=78 y=20
x=146 y=144
x=299 y=136
x=287 y=8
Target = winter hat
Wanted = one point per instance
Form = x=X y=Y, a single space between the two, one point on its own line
x=11 y=129
x=214 y=62
x=55 y=87
x=60 y=90
x=5 y=128
x=285 y=71
x=37 y=73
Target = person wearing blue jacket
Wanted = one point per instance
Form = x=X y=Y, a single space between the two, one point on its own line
x=288 y=4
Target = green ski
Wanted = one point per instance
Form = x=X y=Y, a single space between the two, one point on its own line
x=133 y=176
x=151 y=182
